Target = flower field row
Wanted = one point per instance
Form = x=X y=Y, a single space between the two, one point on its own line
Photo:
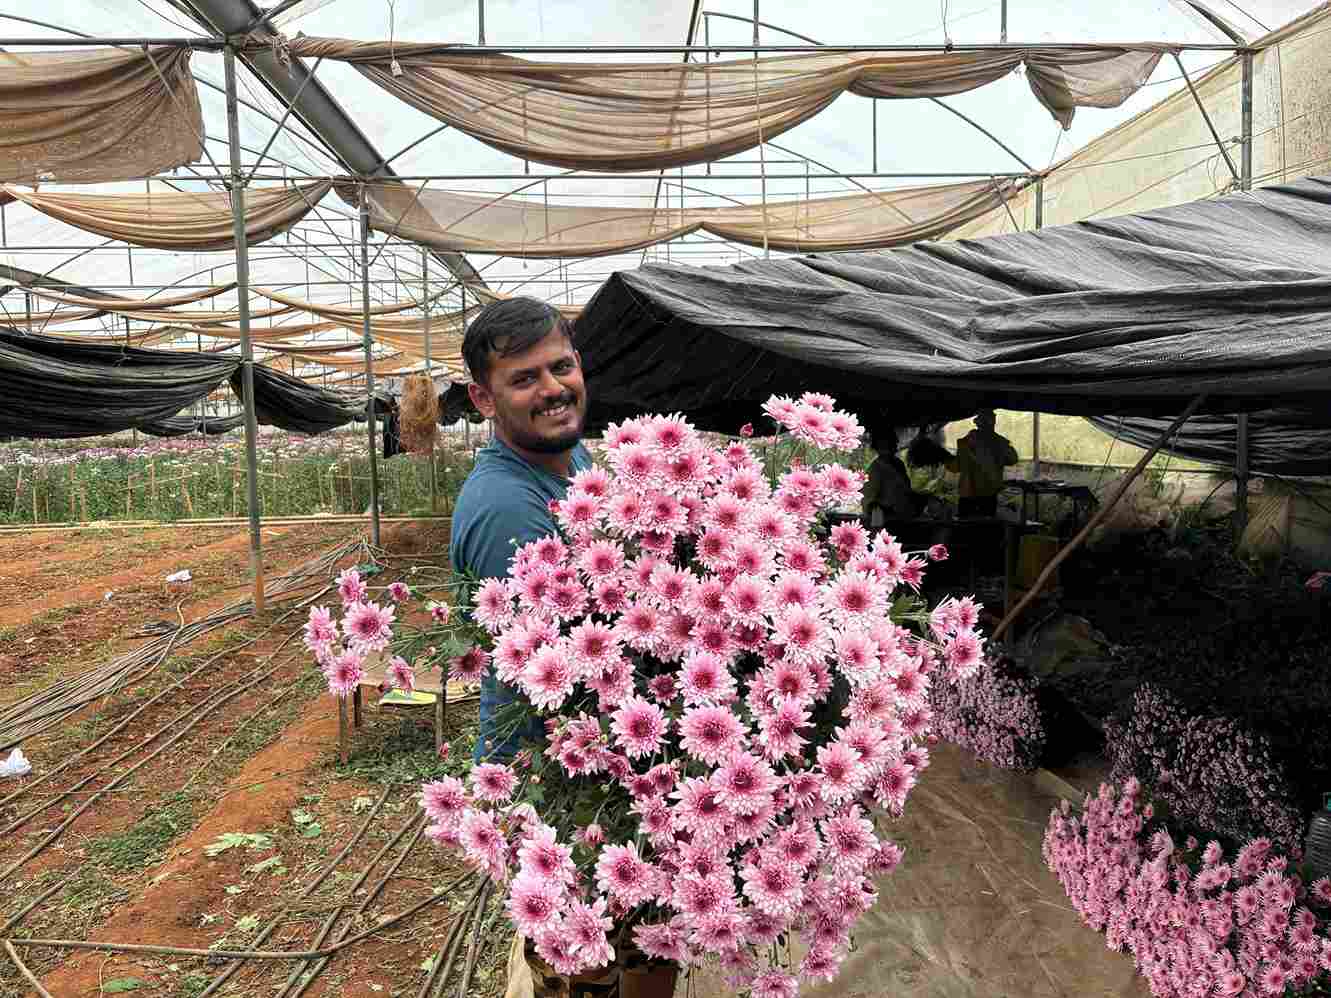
x=202 y=477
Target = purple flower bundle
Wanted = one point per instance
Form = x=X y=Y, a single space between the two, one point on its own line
x=995 y=714
x=1211 y=771
x=1196 y=920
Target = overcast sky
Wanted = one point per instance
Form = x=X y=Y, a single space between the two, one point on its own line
x=912 y=135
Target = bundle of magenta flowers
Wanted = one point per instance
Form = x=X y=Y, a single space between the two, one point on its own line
x=731 y=692
x=1198 y=921
x=994 y=714
x=1210 y=771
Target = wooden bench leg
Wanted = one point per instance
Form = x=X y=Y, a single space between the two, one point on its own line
x=342 y=747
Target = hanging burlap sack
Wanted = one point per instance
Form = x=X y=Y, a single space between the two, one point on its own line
x=418 y=414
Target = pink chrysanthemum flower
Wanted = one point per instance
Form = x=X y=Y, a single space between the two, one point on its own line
x=555 y=946
x=912 y=573
x=711 y=734
x=779 y=730
x=745 y=783
x=369 y=626
x=698 y=810
x=801 y=556
x=470 y=666
x=639 y=725
x=482 y=842
x=623 y=874
x=594 y=645
x=624 y=513
x=711 y=636
x=854 y=597
x=774 y=984
x=938 y=552
x=670 y=585
x=660 y=940
x=750 y=556
x=344 y=672
x=580 y=513
x=793 y=588
x=964 y=652
x=550 y=551
x=775 y=887
x=725 y=513
x=548 y=677
x=401 y=675
x=843 y=773
x=493 y=782
x=601 y=559
x=802 y=633
x=849 y=841
x=543 y=856
x=849 y=539
x=444 y=800
x=350 y=587
x=440 y=612
x=790 y=679
x=533 y=903
x=587 y=927
x=320 y=630
x=798 y=845
x=699 y=897
x=610 y=596
x=720 y=932
x=639 y=626
x=656 y=819
x=857 y=656
x=705 y=679
x=821 y=964
x=593 y=481
x=494 y=606
x=747 y=485
x=841 y=485
x=398 y=591
x=716 y=547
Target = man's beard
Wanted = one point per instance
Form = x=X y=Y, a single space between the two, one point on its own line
x=520 y=434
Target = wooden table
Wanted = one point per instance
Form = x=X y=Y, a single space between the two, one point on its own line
x=426 y=682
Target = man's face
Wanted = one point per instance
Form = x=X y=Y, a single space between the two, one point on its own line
x=536 y=398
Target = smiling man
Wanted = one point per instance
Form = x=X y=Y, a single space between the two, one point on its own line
x=527 y=379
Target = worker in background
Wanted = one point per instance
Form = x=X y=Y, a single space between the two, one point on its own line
x=981 y=457
x=887 y=491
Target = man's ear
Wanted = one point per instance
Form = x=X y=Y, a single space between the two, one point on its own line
x=483 y=399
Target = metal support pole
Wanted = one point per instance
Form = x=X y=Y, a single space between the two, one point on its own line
x=1229 y=161
x=246 y=346
x=1002 y=31
x=1035 y=419
x=369 y=365
x=1241 y=444
x=874 y=104
x=480 y=25
x=425 y=299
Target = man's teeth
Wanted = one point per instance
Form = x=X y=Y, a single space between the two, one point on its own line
x=555 y=410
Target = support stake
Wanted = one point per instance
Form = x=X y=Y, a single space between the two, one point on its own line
x=246 y=346
x=1094 y=521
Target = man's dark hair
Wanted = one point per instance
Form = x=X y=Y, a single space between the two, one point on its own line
x=506 y=327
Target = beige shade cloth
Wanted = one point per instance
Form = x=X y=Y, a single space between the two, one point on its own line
x=54 y=317
x=648 y=116
x=328 y=311
x=97 y=115
x=509 y=226
x=488 y=295
x=128 y=304
x=972 y=911
x=180 y=220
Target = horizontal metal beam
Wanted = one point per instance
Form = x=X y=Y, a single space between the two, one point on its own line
x=212 y=44
x=453 y=50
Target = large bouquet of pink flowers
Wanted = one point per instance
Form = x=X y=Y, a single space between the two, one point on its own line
x=729 y=692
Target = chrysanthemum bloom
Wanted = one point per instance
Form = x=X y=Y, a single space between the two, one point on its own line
x=398 y=591
x=963 y=653
x=594 y=645
x=542 y=855
x=470 y=666
x=843 y=774
x=660 y=940
x=548 y=678
x=745 y=783
x=344 y=672
x=533 y=902
x=774 y=886
x=350 y=587
x=587 y=926
x=320 y=630
x=779 y=730
x=711 y=734
x=622 y=873
x=938 y=552
x=482 y=842
x=746 y=430
x=401 y=675
x=369 y=626
x=639 y=725
x=774 y=984
x=445 y=799
x=491 y=781
x=639 y=625
x=440 y=612
x=601 y=559
x=705 y=679
x=592 y=835
x=698 y=810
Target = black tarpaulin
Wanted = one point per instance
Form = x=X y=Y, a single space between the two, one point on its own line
x=1280 y=441
x=292 y=404
x=182 y=425
x=57 y=388
x=1132 y=315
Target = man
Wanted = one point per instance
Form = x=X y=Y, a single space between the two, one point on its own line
x=887 y=491
x=527 y=380
x=981 y=457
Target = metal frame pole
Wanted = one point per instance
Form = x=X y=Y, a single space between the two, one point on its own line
x=1241 y=443
x=369 y=364
x=1035 y=418
x=425 y=300
x=243 y=308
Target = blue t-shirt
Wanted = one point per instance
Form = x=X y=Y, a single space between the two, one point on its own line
x=504 y=503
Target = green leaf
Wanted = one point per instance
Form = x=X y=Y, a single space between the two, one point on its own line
x=120 y=984
x=301 y=817
x=362 y=804
x=427 y=964
x=248 y=924
x=310 y=831
x=234 y=889
x=273 y=863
